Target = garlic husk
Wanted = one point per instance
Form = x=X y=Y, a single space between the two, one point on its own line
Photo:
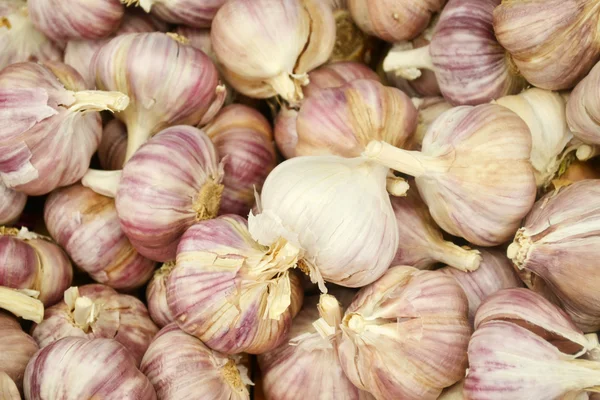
x=112 y=148
x=180 y=366
x=194 y=13
x=429 y=109
x=12 y=204
x=558 y=243
x=101 y=368
x=286 y=135
x=268 y=47
x=229 y=291
x=420 y=241
x=87 y=226
x=336 y=210
x=477 y=160
x=16 y=348
x=97 y=311
x=244 y=140
x=8 y=388
x=19 y=40
x=351 y=44
x=582 y=109
x=156 y=296
x=552 y=44
x=50 y=125
x=182 y=88
x=418 y=319
x=455 y=55
x=544 y=113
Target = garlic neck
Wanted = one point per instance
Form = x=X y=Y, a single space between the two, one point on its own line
x=84 y=312
x=289 y=86
x=457 y=257
x=413 y=163
x=331 y=316
x=166 y=269
x=279 y=258
x=208 y=200
x=518 y=250
x=98 y=100
x=22 y=303
x=406 y=62
x=105 y=183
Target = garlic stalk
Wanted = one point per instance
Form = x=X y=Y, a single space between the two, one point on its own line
x=194 y=13
x=156 y=296
x=12 y=204
x=582 y=113
x=16 y=348
x=8 y=388
x=112 y=148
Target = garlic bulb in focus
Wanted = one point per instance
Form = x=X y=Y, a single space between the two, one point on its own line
x=156 y=296
x=194 y=13
x=418 y=319
x=16 y=348
x=12 y=204
x=79 y=368
x=112 y=148
x=230 y=292
x=86 y=225
x=269 y=46
x=583 y=109
x=429 y=109
x=476 y=159
x=181 y=367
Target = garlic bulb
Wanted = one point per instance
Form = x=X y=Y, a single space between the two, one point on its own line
x=351 y=44
x=181 y=367
x=470 y=65
x=582 y=109
x=12 y=204
x=63 y=20
x=477 y=160
x=16 y=348
x=244 y=140
x=286 y=135
x=156 y=296
x=78 y=368
x=19 y=40
x=112 y=148
x=552 y=43
x=50 y=127
x=418 y=319
x=267 y=47
x=544 y=113
x=429 y=109
x=168 y=82
x=230 y=292
x=97 y=311
x=558 y=243
x=195 y=13
x=336 y=211
x=8 y=388
x=86 y=225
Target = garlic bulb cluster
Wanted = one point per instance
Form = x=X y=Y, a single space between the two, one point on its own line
x=80 y=368
x=477 y=160
x=181 y=367
x=429 y=108
x=156 y=296
x=86 y=225
x=582 y=109
x=12 y=204
x=113 y=146
x=229 y=291
x=267 y=47
x=16 y=348
x=194 y=13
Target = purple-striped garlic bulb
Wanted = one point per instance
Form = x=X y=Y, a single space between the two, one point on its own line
x=171 y=182
x=80 y=368
x=420 y=241
x=19 y=40
x=49 y=126
x=16 y=348
x=429 y=108
x=231 y=292
x=97 y=311
x=180 y=366
x=194 y=13
x=244 y=140
x=12 y=204
x=8 y=388
x=477 y=160
x=558 y=243
x=156 y=296
x=86 y=225
x=470 y=65
x=112 y=148
x=418 y=319
x=553 y=43
x=182 y=88
x=583 y=109
x=267 y=47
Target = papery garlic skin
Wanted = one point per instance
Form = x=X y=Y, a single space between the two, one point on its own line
x=156 y=296
x=199 y=39
x=8 y=388
x=101 y=367
x=12 y=204
x=582 y=108
x=16 y=348
x=197 y=14
x=351 y=44
x=429 y=109
x=113 y=146
x=87 y=226
x=229 y=291
x=180 y=366
x=418 y=319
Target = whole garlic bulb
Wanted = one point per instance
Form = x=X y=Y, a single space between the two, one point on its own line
x=80 y=368
x=156 y=296
x=194 y=13
x=86 y=225
x=229 y=291
x=582 y=109
x=180 y=366
x=16 y=348
x=418 y=321
x=12 y=204
x=112 y=148
x=477 y=160
x=267 y=47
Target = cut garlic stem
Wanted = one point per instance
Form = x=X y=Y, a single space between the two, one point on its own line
x=286 y=86
x=146 y=5
x=97 y=100
x=21 y=304
x=586 y=151
x=457 y=257
x=85 y=313
x=102 y=182
x=409 y=162
x=397 y=186
x=407 y=63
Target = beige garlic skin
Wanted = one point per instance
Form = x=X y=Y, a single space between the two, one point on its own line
x=16 y=348
x=156 y=296
x=583 y=109
x=8 y=388
x=429 y=108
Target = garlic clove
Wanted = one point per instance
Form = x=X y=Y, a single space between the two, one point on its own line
x=320 y=44
x=582 y=111
x=8 y=388
x=16 y=349
x=12 y=204
x=156 y=296
x=112 y=148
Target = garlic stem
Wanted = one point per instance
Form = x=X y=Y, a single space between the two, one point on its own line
x=85 y=313
x=97 y=100
x=409 y=162
x=586 y=151
x=136 y=137
x=331 y=316
x=466 y=260
x=407 y=63
x=287 y=87
x=21 y=304
x=146 y=5
x=102 y=182
x=397 y=186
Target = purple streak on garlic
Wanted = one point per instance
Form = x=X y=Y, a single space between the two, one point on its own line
x=12 y=204
x=180 y=366
x=79 y=368
x=112 y=148
x=476 y=159
x=229 y=291
x=183 y=88
x=86 y=225
x=429 y=109
x=583 y=109
x=194 y=13
x=244 y=140
x=16 y=348
x=50 y=127
x=156 y=296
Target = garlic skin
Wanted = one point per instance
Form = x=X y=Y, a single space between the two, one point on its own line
x=181 y=89
x=112 y=148
x=19 y=40
x=244 y=140
x=103 y=368
x=268 y=47
x=351 y=44
x=12 y=204
x=582 y=109
x=429 y=109
x=578 y=171
x=336 y=210
x=198 y=39
x=156 y=296
x=50 y=126
x=230 y=292
x=286 y=135
x=8 y=388
x=419 y=321
x=16 y=348
x=180 y=366
x=97 y=311
x=87 y=226
x=479 y=153
x=197 y=14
